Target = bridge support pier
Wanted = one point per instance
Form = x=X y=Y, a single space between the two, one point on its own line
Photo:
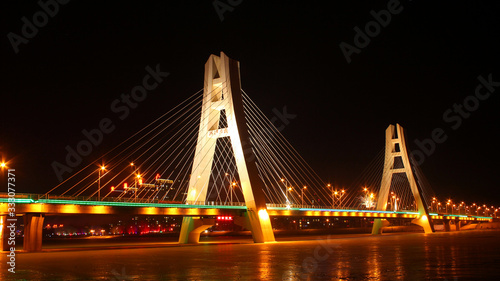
x=4 y=234
x=378 y=224
x=33 y=227
x=192 y=228
x=423 y=221
x=446 y=224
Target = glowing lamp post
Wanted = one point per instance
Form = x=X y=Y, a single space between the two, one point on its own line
x=138 y=182
x=102 y=169
x=333 y=199
x=232 y=190
x=335 y=196
x=341 y=195
x=289 y=189
x=304 y=188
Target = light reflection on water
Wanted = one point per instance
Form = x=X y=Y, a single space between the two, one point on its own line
x=461 y=255
x=265 y=260
x=373 y=262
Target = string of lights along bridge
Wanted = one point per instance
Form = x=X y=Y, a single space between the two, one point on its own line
x=216 y=155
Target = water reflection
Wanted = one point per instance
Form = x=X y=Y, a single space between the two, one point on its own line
x=343 y=265
x=373 y=261
x=399 y=268
x=265 y=262
x=462 y=255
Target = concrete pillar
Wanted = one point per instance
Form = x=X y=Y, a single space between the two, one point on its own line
x=446 y=224
x=378 y=224
x=4 y=234
x=192 y=228
x=458 y=224
x=33 y=227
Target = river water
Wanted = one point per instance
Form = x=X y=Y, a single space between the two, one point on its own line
x=463 y=255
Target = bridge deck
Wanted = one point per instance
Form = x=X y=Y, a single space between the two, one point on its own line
x=72 y=207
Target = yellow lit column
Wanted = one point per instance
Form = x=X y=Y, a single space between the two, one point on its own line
x=33 y=227
x=4 y=234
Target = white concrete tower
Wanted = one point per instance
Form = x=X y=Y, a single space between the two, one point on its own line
x=222 y=91
x=395 y=146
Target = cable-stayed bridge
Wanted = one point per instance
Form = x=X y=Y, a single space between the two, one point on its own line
x=216 y=153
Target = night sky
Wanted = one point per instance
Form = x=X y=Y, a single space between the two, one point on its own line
x=425 y=59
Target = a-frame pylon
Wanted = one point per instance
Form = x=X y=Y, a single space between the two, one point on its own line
x=222 y=91
x=395 y=146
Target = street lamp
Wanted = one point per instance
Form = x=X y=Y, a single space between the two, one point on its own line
x=335 y=194
x=289 y=189
x=304 y=188
x=102 y=169
x=232 y=190
x=331 y=188
x=371 y=200
x=286 y=190
x=341 y=195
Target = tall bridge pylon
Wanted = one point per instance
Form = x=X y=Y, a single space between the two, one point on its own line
x=395 y=149
x=223 y=104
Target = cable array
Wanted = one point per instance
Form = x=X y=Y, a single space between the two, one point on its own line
x=155 y=165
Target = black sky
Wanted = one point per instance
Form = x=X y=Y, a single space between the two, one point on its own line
x=425 y=60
